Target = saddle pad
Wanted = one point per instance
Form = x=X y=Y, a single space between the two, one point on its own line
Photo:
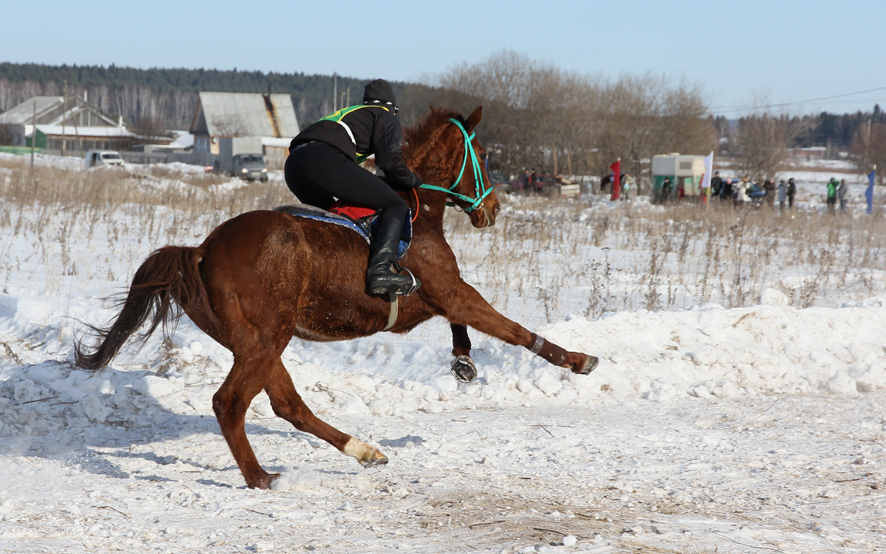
x=363 y=227
x=318 y=214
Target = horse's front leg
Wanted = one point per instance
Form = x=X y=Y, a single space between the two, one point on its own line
x=463 y=367
x=467 y=307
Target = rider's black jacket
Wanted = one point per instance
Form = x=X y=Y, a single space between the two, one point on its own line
x=375 y=130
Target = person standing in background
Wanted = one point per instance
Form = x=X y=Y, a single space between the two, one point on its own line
x=842 y=190
x=832 y=195
x=627 y=186
x=782 y=194
x=741 y=191
x=666 y=190
x=726 y=190
x=716 y=184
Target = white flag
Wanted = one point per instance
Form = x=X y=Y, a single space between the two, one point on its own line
x=708 y=169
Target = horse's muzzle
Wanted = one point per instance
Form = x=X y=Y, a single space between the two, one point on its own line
x=485 y=216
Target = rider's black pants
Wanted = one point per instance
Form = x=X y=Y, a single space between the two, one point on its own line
x=317 y=173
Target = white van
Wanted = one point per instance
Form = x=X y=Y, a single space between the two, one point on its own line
x=101 y=158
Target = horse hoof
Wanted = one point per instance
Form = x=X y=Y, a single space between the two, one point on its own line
x=589 y=366
x=377 y=462
x=263 y=482
x=463 y=369
x=376 y=459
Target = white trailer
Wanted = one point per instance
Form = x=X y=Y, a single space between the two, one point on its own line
x=685 y=171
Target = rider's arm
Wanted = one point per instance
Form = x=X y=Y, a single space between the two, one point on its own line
x=388 y=156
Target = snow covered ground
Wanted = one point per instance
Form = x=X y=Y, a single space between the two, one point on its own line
x=755 y=428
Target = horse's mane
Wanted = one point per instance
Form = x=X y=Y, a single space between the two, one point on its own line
x=419 y=135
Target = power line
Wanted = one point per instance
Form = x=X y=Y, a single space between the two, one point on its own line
x=783 y=104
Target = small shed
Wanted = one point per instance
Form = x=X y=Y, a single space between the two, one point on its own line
x=684 y=170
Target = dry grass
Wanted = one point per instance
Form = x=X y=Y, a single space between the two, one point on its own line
x=678 y=256
x=54 y=218
x=553 y=257
x=155 y=185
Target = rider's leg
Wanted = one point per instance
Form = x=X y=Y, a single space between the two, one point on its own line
x=299 y=165
x=380 y=278
x=320 y=170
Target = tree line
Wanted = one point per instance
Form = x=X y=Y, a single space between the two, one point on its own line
x=168 y=97
x=536 y=115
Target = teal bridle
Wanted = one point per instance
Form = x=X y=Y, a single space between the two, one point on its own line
x=480 y=189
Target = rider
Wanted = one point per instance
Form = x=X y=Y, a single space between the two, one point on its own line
x=322 y=166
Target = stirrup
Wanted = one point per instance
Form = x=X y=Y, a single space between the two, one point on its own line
x=396 y=289
x=415 y=282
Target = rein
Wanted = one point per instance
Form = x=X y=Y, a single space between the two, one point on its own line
x=480 y=190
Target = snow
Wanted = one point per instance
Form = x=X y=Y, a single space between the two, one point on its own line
x=760 y=427
x=85 y=131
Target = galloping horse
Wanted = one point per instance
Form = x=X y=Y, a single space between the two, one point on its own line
x=265 y=276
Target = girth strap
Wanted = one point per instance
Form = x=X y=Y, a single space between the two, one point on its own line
x=395 y=298
x=395 y=308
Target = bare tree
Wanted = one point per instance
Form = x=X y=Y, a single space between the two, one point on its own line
x=642 y=116
x=541 y=116
x=230 y=125
x=535 y=114
x=761 y=141
x=150 y=129
x=869 y=149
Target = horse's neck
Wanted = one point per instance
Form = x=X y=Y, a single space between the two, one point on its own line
x=430 y=208
x=431 y=204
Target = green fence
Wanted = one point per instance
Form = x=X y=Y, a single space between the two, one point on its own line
x=19 y=150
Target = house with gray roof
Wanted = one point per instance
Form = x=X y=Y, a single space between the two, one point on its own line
x=237 y=114
x=56 y=124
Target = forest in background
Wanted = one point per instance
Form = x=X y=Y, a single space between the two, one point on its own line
x=168 y=97
x=535 y=114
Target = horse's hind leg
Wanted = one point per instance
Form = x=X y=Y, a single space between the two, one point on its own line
x=230 y=404
x=287 y=404
x=463 y=367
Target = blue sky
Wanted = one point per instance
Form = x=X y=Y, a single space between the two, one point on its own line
x=786 y=51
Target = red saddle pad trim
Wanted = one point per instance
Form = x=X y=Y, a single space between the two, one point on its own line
x=353 y=212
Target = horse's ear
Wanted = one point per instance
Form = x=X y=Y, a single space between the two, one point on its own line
x=474 y=119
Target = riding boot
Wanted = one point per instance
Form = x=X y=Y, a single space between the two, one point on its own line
x=380 y=278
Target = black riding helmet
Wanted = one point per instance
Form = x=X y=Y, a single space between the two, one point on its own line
x=379 y=91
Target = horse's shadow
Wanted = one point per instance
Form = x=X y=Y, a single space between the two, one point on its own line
x=39 y=417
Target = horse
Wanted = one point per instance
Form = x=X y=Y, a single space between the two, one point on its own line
x=264 y=276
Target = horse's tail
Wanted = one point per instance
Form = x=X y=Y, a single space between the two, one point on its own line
x=167 y=283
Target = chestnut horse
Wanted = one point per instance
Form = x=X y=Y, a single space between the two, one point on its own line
x=265 y=276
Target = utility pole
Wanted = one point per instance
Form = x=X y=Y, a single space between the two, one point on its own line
x=64 y=113
x=335 y=92
x=33 y=135
x=76 y=130
x=867 y=144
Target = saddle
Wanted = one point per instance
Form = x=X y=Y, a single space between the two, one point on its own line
x=356 y=218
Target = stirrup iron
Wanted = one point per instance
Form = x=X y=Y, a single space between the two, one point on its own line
x=415 y=283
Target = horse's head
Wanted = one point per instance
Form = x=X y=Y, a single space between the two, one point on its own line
x=451 y=159
x=481 y=203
